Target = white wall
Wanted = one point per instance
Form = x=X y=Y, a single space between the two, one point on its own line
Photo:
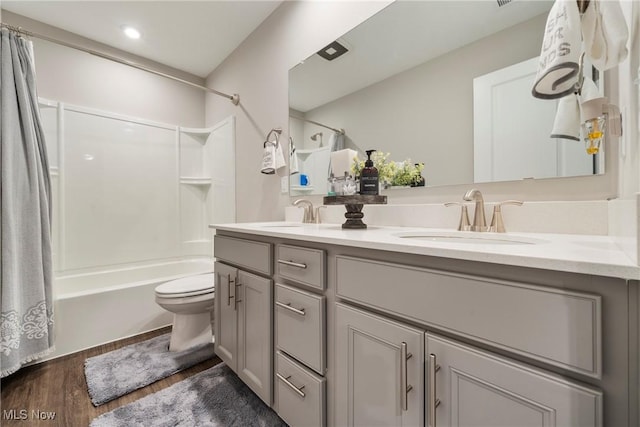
x=629 y=102
x=71 y=76
x=257 y=70
x=623 y=212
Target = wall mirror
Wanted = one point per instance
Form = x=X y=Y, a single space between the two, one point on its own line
x=405 y=86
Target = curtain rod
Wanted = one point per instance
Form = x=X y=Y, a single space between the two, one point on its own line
x=340 y=131
x=235 y=98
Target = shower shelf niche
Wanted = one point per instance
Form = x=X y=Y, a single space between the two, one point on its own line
x=196 y=201
x=206 y=182
x=195 y=180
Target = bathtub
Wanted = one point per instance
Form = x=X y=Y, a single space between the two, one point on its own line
x=103 y=306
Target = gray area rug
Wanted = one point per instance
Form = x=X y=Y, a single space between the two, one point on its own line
x=129 y=368
x=215 y=397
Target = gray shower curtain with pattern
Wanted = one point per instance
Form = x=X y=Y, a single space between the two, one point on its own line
x=26 y=323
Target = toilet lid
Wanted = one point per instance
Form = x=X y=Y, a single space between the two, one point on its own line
x=200 y=284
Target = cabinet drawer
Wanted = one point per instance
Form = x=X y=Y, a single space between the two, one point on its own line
x=299 y=394
x=558 y=327
x=245 y=253
x=300 y=330
x=306 y=266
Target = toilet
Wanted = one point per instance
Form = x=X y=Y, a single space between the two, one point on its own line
x=190 y=299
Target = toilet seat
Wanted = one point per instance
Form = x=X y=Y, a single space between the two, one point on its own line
x=187 y=287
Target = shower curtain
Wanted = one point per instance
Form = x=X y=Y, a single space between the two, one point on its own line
x=26 y=323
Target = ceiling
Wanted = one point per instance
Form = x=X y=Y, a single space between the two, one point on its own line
x=193 y=36
x=402 y=36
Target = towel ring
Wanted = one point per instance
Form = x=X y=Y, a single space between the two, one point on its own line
x=276 y=132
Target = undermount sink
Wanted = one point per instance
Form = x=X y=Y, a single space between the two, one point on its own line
x=282 y=225
x=470 y=238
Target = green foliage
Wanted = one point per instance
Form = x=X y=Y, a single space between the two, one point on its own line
x=391 y=173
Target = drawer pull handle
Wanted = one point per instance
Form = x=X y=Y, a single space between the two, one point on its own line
x=291 y=385
x=229 y=283
x=433 y=402
x=292 y=264
x=236 y=300
x=404 y=387
x=301 y=311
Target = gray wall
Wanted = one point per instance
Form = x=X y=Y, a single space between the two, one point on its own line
x=74 y=77
x=258 y=71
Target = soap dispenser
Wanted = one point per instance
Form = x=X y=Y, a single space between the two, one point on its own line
x=369 y=183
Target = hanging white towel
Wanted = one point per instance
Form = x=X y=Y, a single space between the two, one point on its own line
x=560 y=55
x=567 y=121
x=605 y=34
x=293 y=158
x=269 y=158
x=280 y=162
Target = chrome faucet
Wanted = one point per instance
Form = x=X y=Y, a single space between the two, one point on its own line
x=308 y=215
x=479 y=221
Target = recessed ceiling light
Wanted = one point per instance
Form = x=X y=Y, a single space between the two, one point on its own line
x=131 y=32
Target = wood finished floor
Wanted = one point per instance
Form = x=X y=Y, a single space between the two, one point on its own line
x=59 y=386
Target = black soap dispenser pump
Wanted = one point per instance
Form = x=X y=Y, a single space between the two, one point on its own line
x=369 y=183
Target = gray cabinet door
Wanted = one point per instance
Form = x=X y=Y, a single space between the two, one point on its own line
x=225 y=316
x=254 y=298
x=379 y=371
x=477 y=388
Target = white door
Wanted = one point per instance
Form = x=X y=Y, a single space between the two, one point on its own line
x=512 y=128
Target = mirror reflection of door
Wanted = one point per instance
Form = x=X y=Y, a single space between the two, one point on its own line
x=502 y=150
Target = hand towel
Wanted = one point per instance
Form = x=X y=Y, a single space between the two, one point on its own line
x=269 y=158
x=280 y=162
x=336 y=141
x=293 y=158
x=605 y=34
x=560 y=55
x=589 y=90
x=567 y=121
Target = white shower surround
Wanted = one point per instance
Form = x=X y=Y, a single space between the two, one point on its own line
x=132 y=200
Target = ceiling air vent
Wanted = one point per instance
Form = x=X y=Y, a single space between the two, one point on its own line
x=503 y=2
x=332 y=51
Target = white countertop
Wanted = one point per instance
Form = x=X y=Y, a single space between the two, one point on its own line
x=597 y=255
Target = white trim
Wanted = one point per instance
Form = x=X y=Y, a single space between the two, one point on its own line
x=116 y=116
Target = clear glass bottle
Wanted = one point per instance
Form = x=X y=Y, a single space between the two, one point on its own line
x=331 y=185
x=349 y=185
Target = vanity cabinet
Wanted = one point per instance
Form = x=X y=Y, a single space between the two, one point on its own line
x=243 y=313
x=379 y=370
x=365 y=336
